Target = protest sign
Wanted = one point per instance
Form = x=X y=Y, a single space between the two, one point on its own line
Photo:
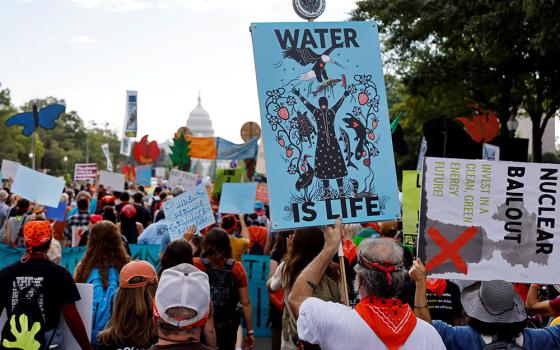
x=37 y=187
x=238 y=198
x=490 y=152
x=9 y=169
x=257 y=267
x=422 y=154
x=126 y=146
x=226 y=175
x=182 y=178
x=131 y=116
x=485 y=220
x=262 y=192
x=85 y=172
x=144 y=175
x=411 y=185
x=190 y=208
x=111 y=180
x=159 y=172
x=77 y=234
x=57 y=213
x=326 y=126
x=105 y=149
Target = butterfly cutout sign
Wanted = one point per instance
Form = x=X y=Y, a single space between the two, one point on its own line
x=45 y=118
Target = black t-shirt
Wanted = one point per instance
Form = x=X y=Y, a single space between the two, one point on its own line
x=114 y=347
x=446 y=307
x=56 y=284
x=143 y=215
x=181 y=346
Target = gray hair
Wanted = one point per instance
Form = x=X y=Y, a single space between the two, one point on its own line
x=375 y=281
x=177 y=190
x=64 y=198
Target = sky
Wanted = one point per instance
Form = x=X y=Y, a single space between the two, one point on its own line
x=89 y=52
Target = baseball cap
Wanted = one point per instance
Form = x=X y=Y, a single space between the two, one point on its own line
x=259 y=205
x=183 y=286
x=37 y=233
x=128 y=210
x=137 y=268
x=94 y=219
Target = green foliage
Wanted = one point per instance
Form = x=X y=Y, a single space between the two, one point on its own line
x=180 y=151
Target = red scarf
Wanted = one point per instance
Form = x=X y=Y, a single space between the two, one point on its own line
x=436 y=286
x=391 y=321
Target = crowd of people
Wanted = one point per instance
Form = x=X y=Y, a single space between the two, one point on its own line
x=198 y=296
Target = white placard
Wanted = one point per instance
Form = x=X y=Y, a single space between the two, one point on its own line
x=114 y=181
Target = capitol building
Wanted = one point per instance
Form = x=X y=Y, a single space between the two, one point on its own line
x=199 y=122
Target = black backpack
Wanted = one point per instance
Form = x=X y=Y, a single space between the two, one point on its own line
x=26 y=307
x=223 y=292
x=499 y=343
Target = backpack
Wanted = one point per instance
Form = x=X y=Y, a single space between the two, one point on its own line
x=102 y=299
x=26 y=309
x=223 y=292
x=499 y=343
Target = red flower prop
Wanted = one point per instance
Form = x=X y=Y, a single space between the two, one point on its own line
x=483 y=127
x=144 y=152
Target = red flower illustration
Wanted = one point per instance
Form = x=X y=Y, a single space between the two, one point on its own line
x=144 y=152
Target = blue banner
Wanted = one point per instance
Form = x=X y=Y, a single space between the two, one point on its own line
x=144 y=175
x=257 y=267
x=325 y=123
x=229 y=150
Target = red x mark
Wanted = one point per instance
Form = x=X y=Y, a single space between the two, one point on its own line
x=450 y=250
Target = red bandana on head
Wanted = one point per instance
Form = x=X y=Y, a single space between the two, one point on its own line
x=389 y=319
x=436 y=286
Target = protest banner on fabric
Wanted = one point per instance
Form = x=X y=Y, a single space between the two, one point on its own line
x=144 y=175
x=9 y=255
x=85 y=172
x=126 y=146
x=146 y=252
x=131 y=115
x=485 y=220
x=57 y=213
x=105 y=149
x=490 y=152
x=262 y=192
x=182 y=178
x=257 y=267
x=411 y=185
x=238 y=198
x=202 y=147
x=227 y=175
x=37 y=187
x=9 y=169
x=326 y=126
x=229 y=150
x=190 y=208
x=71 y=257
x=114 y=181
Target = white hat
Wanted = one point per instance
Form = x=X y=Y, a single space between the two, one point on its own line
x=183 y=286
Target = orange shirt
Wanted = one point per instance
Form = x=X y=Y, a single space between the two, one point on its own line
x=237 y=269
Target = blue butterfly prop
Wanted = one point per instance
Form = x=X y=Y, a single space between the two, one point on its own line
x=31 y=121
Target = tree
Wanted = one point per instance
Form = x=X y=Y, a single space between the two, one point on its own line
x=498 y=54
x=180 y=151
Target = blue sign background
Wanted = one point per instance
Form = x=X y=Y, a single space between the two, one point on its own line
x=339 y=161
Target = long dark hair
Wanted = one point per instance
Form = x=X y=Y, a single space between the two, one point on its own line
x=177 y=252
x=128 y=228
x=280 y=247
x=216 y=241
x=307 y=244
x=502 y=330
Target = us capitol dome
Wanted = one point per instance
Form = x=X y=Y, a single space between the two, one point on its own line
x=199 y=122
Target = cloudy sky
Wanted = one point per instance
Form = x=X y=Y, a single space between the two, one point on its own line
x=90 y=52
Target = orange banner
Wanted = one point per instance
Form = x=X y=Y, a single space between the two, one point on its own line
x=202 y=147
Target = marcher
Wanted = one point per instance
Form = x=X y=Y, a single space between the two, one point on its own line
x=104 y=258
x=182 y=308
x=128 y=226
x=4 y=209
x=131 y=325
x=228 y=287
x=37 y=290
x=78 y=223
x=13 y=227
x=154 y=233
x=238 y=235
x=379 y=277
x=276 y=303
x=143 y=215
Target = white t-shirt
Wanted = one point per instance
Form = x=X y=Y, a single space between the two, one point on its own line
x=335 y=326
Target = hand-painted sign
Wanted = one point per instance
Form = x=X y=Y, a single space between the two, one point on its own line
x=85 y=172
x=182 y=178
x=227 y=175
x=484 y=220
x=325 y=122
x=411 y=185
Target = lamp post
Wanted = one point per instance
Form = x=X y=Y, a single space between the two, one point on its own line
x=31 y=158
x=512 y=125
x=65 y=160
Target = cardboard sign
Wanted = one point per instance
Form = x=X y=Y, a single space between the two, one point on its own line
x=490 y=152
x=77 y=234
x=326 y=126
x=85 y=172
x=56 y=213
x=262 y=192
x=257 y=267
x=9 y=169
x=182 y=178
x=485 y=220
x=238 y=198
x=37 y=187
x=190 y=208
x=411 y=185
x=111 y=180
x=144 y=175
x=227 y=175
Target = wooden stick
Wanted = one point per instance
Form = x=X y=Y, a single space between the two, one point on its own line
x=345 y=298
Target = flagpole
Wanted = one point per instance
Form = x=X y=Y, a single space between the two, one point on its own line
x=341 y=264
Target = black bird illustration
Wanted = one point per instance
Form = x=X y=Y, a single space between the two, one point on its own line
x=305 y=127
x=306 y=177
x=356 y=125
x=306 y=56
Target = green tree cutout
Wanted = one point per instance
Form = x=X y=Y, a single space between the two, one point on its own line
x=180 y=151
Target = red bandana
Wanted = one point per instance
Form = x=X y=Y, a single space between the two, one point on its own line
x=436 y=286
x=391 y=321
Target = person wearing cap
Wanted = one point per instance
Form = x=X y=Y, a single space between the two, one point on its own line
x=36 y=274
x=380 y=320
x=496 y=317
x=182 y=308
x=131 y=325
